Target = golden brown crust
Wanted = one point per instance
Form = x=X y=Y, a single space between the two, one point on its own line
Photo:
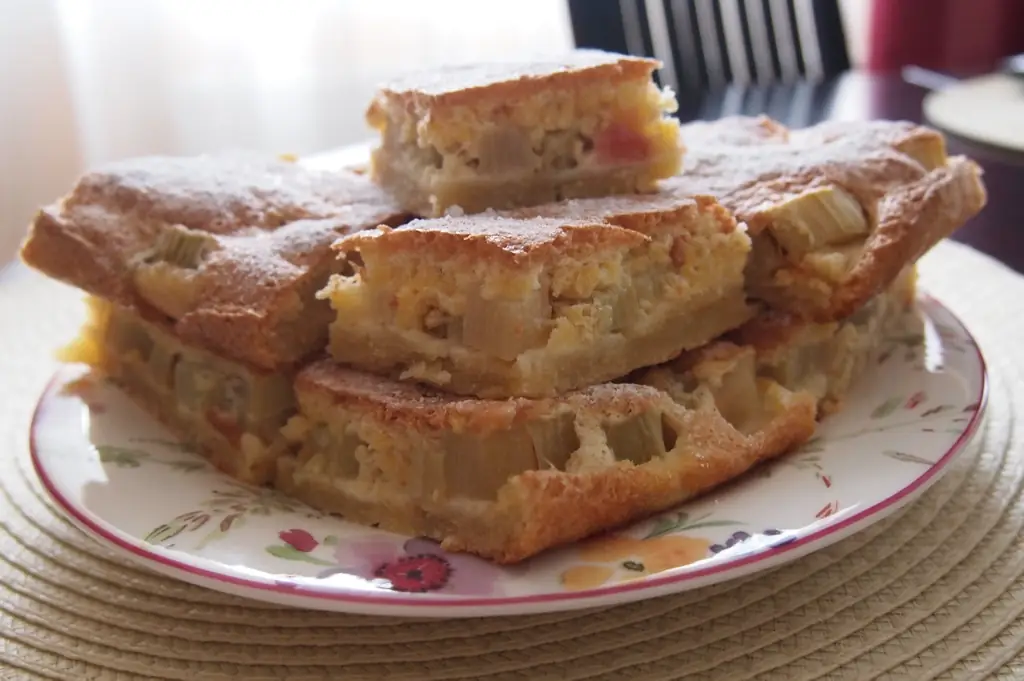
x=511 y=241
x=910 y=223
x=734 y=131
x=476 y=83
x=925 y=145
x=606 y=499
x=749 y=178
x=641 y=213
x=538 y=509
x=223 y=193
x=273 y=223
x=416 y=406
x=912 y=195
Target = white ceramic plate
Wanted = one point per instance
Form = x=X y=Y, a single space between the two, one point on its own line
x=127 y=482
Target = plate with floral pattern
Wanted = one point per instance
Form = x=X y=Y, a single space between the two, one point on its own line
x=126 y=481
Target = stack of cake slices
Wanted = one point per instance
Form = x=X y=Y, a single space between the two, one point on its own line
x=543 y=310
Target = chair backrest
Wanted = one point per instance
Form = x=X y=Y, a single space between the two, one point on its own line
x=708 y=44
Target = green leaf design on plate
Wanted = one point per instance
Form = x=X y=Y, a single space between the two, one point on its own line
x=681 y=522
x=330 y=540
x=712 y=523
x=667 y=524
x=936 y=410
x=195 y=520
x=186 y=465
x=122 y=457
x=209 y=539
x=169 y=444
x=165 y=532
x=133 y=457
x=232 y=520
x=812 y=446
x=291 y=553
x=808 y=459
x=907 y=457
x=886 y=408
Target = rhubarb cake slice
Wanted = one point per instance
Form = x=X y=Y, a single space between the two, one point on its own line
x=231 y=411
x=499 y=306
x=507 y=135
x=834 y=211
x=506 y=479
x=202 y=274
x=228 y=249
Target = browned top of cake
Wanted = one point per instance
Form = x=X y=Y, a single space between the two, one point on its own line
x=471 y=83
x=222 y=193
x=893 y=133
x=640 y=212
x=912 y=195
x=255 y=231
x=510 y=241
x=417 y=406
x=736 y=131
x=749 y=172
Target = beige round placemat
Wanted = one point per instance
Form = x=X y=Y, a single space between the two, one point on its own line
x=989 y=109
x=935 y=592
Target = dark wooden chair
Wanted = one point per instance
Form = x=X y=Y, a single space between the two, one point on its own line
x=707 y=45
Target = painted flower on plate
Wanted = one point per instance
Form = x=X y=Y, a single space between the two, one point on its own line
x=300 y=540
x=619 y=559
x=740 y=537
x=417 y=566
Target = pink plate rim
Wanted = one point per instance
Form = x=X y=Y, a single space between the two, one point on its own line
x=770 y=556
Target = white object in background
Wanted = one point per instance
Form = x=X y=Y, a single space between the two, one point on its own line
x=989 y=109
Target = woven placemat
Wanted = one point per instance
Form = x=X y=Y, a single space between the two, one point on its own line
x=934 y=592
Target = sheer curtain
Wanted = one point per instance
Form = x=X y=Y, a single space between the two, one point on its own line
x=87 y=81
x=194 y=75
x=38 y=141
